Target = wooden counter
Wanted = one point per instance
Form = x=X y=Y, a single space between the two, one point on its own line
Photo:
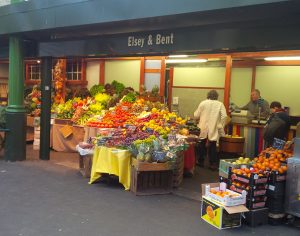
x=253 y=134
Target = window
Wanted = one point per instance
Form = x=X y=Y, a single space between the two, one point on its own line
x=74 y=70
x=34 y=71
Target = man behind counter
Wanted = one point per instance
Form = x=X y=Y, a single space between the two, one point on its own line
x=257 y=103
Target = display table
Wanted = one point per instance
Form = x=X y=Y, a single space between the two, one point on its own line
x=62 y=144
x=111 y=161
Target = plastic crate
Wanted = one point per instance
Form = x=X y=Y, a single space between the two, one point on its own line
x=275 y=177
x=225 y=165
x=253 y=180
x=254 y=218
x=256 y=202
x=251 y=192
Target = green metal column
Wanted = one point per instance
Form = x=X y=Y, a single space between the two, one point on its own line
x=15 y=147
x=15 y=1
x=46 y=108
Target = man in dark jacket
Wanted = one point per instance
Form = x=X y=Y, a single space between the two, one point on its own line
x=278 y=124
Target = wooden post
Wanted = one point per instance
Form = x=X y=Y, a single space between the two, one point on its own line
x=142 y=74
x=102 y=72
x=162 y=77
x=171 y=75
x=253 y=78
x=227 y=81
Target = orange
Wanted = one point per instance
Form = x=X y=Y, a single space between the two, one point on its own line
x=281 y=171
x=210 y=212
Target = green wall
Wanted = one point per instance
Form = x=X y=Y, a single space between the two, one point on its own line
x=92 y=73
x=240 y=87
x=189 y=99
x=199 y=77
x=124 y=71
x=280 y=83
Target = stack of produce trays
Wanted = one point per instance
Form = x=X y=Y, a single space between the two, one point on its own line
x=255 y=185
x=236 y=163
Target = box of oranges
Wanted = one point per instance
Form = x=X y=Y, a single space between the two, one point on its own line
x=218 y=215
x=224 y=196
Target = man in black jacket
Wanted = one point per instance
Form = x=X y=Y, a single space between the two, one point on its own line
x=278 y=124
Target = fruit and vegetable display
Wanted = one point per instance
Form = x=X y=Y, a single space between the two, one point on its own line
x=222 y=194
x=148 y=129
x=255 y=176
x=241 y=160
x=33 y=101
x=59 y=81
x=268 y=160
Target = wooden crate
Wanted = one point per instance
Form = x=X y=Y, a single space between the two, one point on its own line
x=151 y=182
x=85 y=165
x=62 y=121
x=178 y=170
x=153 y=166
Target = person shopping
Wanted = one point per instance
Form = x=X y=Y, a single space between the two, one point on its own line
x=277 y=126
x=212 y=116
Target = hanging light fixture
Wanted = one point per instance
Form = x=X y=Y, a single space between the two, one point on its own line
x=292 y=58
x=169 y=61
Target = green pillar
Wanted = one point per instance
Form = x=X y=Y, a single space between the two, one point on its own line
x=15 y=1
x=15 y=147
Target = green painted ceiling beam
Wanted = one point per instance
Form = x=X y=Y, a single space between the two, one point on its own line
x=36 y=15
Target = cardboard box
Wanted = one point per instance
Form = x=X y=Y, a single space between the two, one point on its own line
x=234 y=200
x=218 y=215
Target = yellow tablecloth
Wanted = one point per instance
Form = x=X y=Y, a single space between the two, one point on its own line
x=111 y=161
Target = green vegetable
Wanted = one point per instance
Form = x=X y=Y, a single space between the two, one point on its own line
x=130 y=97
x=155 y=90
x=97 y=88
x=118 y=86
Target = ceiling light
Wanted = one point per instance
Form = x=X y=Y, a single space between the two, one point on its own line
x=185 y=60
x=282 y=58
x=178 y=56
